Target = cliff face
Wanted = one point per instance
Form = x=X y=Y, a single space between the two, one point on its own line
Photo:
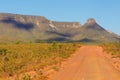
x=14 y=27
x=67 y=24
x=36 y=20
x=23 y=18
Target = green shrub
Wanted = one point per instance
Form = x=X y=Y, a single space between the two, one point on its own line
x=3 y=51
x=26 y=77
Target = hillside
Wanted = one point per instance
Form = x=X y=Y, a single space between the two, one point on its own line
x=92 y=31
x=14 y=27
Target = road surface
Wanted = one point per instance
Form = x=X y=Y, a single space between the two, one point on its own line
x=88 y=63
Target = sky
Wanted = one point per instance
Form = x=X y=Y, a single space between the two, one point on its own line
x=105 y=12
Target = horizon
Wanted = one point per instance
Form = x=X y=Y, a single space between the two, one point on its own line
x=106 y=13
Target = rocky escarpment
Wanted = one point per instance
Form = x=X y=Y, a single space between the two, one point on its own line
x=67 y=24
x=14 y=27
x=36 y=20
x=23 y=18
x=26 y=28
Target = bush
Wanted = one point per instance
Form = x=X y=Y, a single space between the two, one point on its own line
x=26 y=77
x=3 y=51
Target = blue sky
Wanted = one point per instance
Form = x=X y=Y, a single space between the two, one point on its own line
x=106 y=12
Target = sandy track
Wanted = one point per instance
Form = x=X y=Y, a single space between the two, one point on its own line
x=88 y=64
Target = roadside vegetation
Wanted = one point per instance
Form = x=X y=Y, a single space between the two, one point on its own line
x=112 y=48
x=18 y=59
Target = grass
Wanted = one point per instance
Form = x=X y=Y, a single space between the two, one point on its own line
x=16 y=59
x=112 y=48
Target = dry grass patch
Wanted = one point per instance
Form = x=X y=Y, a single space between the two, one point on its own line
x=16 y=59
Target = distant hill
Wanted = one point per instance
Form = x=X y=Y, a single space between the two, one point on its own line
x=91 y=31
x=25 y=28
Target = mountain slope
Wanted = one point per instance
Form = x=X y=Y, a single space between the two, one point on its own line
x=91 y=31
x=14 y=27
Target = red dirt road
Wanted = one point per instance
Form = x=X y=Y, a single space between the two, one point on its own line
x=88 y=63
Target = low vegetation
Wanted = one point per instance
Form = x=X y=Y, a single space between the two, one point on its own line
x=17 y=59
x=112 y=48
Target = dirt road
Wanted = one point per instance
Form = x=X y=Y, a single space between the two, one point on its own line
x=88 y=63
